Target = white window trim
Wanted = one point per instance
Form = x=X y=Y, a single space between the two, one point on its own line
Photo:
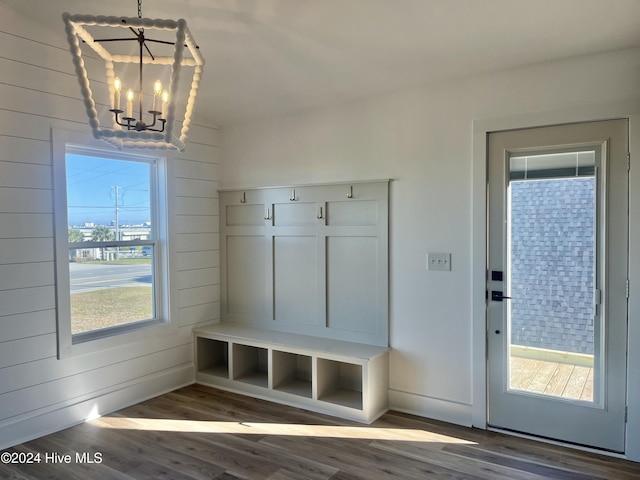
x=131 y=333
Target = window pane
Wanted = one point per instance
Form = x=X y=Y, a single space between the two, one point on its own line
x=109 y=200
x=107 y=293
x=552 y=276
x=104 y=192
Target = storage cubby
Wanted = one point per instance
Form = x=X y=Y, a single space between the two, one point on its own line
x=345 y=379
x=250 y=365
x=340 y=383
x=212 y=357
x=292 y=373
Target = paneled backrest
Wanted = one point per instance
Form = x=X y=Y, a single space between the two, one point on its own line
x=307 y=259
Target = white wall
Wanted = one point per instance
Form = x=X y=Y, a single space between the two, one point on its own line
x=38 y=392
x=423 y=140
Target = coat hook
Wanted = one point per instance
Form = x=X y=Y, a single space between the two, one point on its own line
x=293 y=195
x=244 y=197
x=350 y=192
x=320 y=214
x=268 y=215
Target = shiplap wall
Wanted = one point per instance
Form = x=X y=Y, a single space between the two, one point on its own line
x=38 y=392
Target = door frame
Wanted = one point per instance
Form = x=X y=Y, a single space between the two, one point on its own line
x=597 y=421
x=481 y=129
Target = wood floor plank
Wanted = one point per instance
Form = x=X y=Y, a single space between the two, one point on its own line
x=206 y=434
x=42 y=469
x=19 y=471
x=167 y=407
x=242 y=464
x=138 y=442
x=115 y=462
x=518 y=465
x=284 y=474
x=229 y=476
x=347 y=476
x=470 y=468
x=10 y=473
x=562 y=457
x=360 y=459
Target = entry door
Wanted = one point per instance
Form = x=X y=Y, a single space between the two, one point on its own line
x=557 y=282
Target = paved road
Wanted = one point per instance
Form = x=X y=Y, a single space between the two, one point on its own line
x=91 y=277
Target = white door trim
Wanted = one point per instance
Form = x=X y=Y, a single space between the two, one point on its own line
x=481 y=128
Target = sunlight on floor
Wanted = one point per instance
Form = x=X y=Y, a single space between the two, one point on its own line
x=249 y=428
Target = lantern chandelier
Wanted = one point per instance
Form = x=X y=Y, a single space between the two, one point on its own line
x=153 y=128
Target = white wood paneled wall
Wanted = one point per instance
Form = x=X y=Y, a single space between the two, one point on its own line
x=38 y=392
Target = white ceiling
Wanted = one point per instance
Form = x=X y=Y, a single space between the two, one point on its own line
x=266 y=57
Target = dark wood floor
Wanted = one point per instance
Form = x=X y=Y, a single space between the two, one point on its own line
x=203 y=433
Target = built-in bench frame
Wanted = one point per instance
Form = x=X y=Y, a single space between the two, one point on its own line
x=344 y=379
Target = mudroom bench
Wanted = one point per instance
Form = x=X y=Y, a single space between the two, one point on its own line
x=345 y=379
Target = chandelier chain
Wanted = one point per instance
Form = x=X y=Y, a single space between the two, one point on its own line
x=140 y=30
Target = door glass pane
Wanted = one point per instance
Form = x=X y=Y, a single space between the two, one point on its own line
x=552 y=275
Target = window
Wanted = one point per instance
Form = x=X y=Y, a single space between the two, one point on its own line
x=109 y=245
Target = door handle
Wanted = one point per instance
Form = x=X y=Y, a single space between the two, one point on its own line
x=497 y=296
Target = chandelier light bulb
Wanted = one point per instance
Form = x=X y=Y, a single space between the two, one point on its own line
x=117 y=86
x=157 y=91
x=130 y=103
x=165 y=103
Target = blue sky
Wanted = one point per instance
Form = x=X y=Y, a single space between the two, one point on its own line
x=91 y=192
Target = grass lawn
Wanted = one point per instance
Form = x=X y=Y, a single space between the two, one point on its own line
x=110 y=307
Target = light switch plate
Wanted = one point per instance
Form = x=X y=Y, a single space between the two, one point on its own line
x=439 y=262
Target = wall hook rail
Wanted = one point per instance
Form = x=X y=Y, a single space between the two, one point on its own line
x=320 y=215
x=244 y=197
x=293 y=195
x=268 y=214
x=350 y=192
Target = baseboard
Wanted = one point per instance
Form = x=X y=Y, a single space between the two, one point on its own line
x=101 y=403
x=434 y=408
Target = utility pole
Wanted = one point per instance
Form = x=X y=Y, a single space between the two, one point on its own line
x=117 y=232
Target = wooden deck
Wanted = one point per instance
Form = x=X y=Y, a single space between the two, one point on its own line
x=552 y=378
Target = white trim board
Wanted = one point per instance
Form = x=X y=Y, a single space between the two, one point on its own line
x=429 y=407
